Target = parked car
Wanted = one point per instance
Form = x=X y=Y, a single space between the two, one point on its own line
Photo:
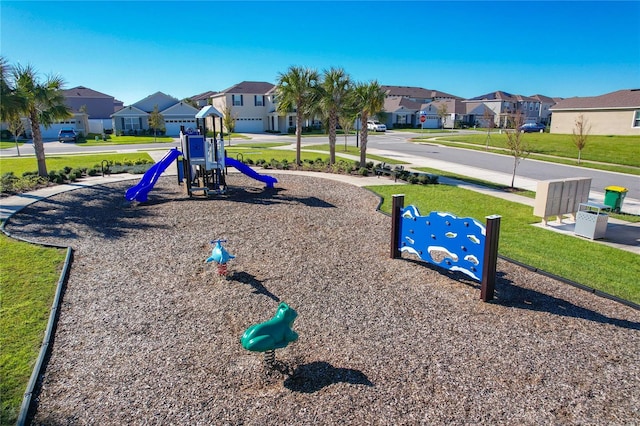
x=67 y=135
x=376 y=126
x=532 y=128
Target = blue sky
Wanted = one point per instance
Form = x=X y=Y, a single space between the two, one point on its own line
x=131 y=49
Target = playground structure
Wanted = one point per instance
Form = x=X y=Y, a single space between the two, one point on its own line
x=450 y=242
x=204 y=166
x=273 y=334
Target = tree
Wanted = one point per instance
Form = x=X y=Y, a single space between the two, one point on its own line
x=369 y=98
x=517 y=145
x=443 y=111
x=580 y=134
x=156 y=121
x=16 y=127
x=42 y=102
x=334 y=91
x=11 y=104
x=488 y=119
x=85 y=119
x=296 y=90
x=346 y=120
x=229 y=121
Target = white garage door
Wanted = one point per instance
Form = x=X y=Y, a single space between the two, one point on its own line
x=249 y=125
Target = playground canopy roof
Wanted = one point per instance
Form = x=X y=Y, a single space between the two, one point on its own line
x=207 y=111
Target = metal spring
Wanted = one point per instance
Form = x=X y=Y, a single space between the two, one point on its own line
x=270 y=358
x=222 y=269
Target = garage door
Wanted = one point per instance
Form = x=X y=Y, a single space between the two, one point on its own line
x=249 y=125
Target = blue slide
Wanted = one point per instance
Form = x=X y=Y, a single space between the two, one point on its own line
x=150 y=177
x=269 y=180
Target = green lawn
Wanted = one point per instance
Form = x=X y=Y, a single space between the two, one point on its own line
x=28 y=279
x=19 y=165
x=595 y=265
x=623 y=150
x=351 y=150
x=90 y=140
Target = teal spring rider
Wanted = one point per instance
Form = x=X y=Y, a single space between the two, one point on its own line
x=270 y=335
x=220 y=256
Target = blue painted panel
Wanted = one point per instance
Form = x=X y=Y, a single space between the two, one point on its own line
x=453 y=243
x=196 y=146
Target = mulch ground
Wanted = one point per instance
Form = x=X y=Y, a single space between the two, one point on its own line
x=149 y=333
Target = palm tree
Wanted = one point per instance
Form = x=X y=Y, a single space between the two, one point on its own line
x=42 y=103
x=369 y=98
x=334 y=91
x=11 y=104
x=296 y=90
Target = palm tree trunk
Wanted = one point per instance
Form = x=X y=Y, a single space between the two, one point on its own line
x=298 y=138
x=332 y=138
x=38 y=146
x=364 y=132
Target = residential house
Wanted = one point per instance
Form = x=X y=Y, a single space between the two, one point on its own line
x=90 y=109
x=506 y=106
x=615 y=113
x=202 y=99
x=252 y=105
x=404 y=105
x=544 y=108
x=134 y=119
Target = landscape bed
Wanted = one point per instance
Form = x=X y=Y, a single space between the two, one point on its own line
x=149 y=333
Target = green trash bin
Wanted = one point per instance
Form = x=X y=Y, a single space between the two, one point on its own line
x=614 y=196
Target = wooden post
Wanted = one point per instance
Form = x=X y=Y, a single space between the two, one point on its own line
x=396 y=207
x=490 y=258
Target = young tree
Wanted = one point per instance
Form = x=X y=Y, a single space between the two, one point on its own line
x=16 y=127
x=369 y=98
x=296 y=90
x=443 y=112
x=85 y=119
x=517 y=145
x=334 y=91
x=42 y=102
x=156 y=121
x=229 y=121
x=488 y=119
x=580 y=134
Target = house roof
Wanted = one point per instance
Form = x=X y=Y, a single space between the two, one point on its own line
x=180 y=109
x=416 y=92
x=396 y=103
x=627 y=98
x=162 y=100
x=203 y=96
x=544 y=99
x=84 y=92
x=498 y=95
x=129 y=111
x=453 y=105
x=250 y=87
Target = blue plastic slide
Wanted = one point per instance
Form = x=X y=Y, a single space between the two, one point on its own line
x=150 y=177
x=269 y=180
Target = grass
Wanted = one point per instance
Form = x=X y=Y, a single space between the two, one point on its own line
x=611 y=151
x=28 y=279
x=351 y=150
x=11 y=144
x=604 y=268
x=262 y=151
x=90 y=140
x=19 y=165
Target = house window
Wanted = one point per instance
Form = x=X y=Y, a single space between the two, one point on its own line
x=236 y=100
x=530 y=107
x=291 y=121
x=259 y=100
x=131 y=123
x=636 y=120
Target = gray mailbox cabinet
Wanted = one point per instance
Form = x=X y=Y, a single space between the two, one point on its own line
x=591 y=221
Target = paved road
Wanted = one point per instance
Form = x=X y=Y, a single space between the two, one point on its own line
x=397 y=141
x=528 y=168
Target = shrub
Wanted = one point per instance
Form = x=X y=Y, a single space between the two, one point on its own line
x=67 y=170
x=363 y=171
x=77 y=173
